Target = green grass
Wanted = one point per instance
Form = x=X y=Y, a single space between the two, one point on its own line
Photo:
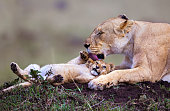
x=47 y=97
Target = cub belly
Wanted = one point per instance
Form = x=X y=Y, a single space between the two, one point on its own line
x=67 y=71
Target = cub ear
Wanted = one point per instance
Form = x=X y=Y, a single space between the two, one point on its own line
x=112 y=67
x=89 y=62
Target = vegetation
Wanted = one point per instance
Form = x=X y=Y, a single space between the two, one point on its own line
x=78 y=97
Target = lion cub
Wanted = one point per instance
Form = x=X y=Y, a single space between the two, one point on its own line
x=96 y=67
x=63 y=73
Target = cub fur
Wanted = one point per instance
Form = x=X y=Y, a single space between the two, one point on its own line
x=64 y=73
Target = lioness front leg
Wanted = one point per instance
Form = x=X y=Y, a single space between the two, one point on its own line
x=129 y=75
x=141 y=71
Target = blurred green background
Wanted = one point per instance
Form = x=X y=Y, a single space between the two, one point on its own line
x=53 y=31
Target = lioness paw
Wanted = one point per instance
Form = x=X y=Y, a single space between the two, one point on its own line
x=95 y=85
x=100 y=83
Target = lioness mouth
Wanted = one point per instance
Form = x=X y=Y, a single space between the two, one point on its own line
x=100 y=56
x=96 y=57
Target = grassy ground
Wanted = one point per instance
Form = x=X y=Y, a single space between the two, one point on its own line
x=141 y=96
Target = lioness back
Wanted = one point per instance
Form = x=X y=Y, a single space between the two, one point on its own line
x=154 y=39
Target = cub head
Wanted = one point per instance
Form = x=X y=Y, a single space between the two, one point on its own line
x=99 y=67
x=110 y=37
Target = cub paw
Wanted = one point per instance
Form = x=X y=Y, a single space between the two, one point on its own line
x=84 y=55
x=14 y=67
x=57 y=79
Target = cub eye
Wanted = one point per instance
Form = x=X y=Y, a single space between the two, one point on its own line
x=104 y=67
x=99 y=33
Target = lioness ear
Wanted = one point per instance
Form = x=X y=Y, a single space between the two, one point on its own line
x=123 y=17
x=125 y=27
x=126 y=24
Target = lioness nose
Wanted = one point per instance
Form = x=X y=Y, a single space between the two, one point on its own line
x=86 y=46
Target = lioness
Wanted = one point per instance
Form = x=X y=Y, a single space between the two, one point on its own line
x=58 y=74
x=146 y=47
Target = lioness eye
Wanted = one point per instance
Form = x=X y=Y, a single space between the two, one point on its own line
x=100 y=33
x=104 y=66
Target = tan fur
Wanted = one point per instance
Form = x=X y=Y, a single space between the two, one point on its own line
x=63 y=73
x=100 y=66
x=60 y=74
x=146 y=47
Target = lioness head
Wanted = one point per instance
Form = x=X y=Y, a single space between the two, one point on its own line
x=99 y=67
x=110 y=37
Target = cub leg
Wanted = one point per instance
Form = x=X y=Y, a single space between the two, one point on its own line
x=25 y=84
x=59 y=79
x=56 y=80
x=81 y=59
x=78 y=73
x=84 y=78
x=32 y=66
x=21 y=73
x=18 y=71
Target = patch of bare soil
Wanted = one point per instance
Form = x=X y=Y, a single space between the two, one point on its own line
x=141 y=94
